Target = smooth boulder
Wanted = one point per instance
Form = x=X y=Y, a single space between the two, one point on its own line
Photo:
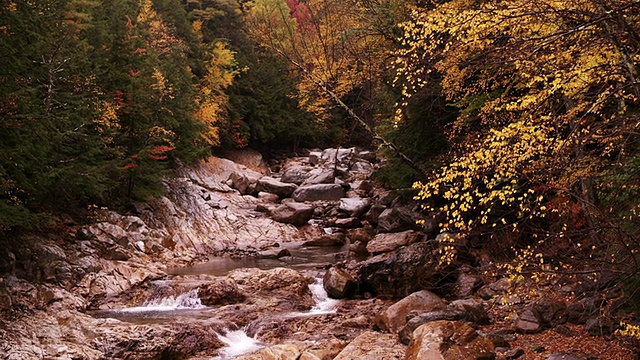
x=449 y=340
x=339 y=284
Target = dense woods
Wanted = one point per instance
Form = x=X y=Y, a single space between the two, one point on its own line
x=522 y=115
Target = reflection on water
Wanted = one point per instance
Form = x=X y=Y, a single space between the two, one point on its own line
x=302 y=258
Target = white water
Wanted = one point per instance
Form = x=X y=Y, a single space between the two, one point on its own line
x=238 y=343
x=187 y=300
x=324 y=304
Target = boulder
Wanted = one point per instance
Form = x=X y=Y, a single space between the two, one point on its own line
x=373 y=346
x=221 y=291
x=599 y=326
x=398 y=219
x=243 y=182
x=327 y=240
x=339 y=284
x=374 y=213
x=320 y=176
x=354 y=206
x=314 y=157
x=528 y=322
x=386 y=242
x=397 y=274
x=296 y=174
x=341 y=156
x=395 y=317
x=347 y=223
x=551 y=311
x=448 y=340
x=416 y=321
x=293 y=213
x=472 y=311
x=275 y=186
x=467 y=284
x=318 y=192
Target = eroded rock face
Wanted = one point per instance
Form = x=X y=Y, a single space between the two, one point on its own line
x=449 y=340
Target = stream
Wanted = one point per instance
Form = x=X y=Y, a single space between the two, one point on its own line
x=186 y=307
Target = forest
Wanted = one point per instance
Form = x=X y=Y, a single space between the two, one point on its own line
x=516 y=120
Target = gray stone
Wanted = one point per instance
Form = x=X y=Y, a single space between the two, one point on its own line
x=386 y=242
x=274 y=186
x=398 y=219
x=293 y=213
x=320 y=176
x=318 y=192
x=354 y=206
x=296 y=174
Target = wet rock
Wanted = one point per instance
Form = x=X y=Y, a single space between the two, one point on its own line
x=395 y=317
x=386 y=242
x=528 y=322
x=339 y=284
x=409 y=269
x=274 y=186
x=448 y=340
x=273 y=253
x=373 y=346
x=398 y=219
x=318 y=192
x=293 y=213
x=221 y=291
x=327 y=240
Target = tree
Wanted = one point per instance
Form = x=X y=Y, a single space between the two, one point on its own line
x=548 y=99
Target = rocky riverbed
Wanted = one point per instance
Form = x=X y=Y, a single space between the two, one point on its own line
x=303 y=259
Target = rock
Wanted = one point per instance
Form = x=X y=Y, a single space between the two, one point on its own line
x=339 y=284
x=472 y=311
x=409 y=269
x=341 y=156
x=268 y=197
x=395 y=317
x=386 y=242
x=550 y=311
x=314 y=157
x=599 y=326
x=318 y=192
x=578 y=312
x=414 y=322
x=116 y=252
x=373 y=346
x=398 y=219
x=139 y=245
x=486 y=293
x=564 y=356
x=362 y=167
x=274 y=186
x=275 y=352
x=354 y=206
x=320 y=176
x=467 y=284
x=273 y=253
x=296 y=174
x=347 y=223
x=327 y=240
x=528 y=322
x=514 y=353
x=565 y=330
x=374 y=213
x=7 y=261
x=244 y=182
x=448 y=340
x=293 y=213
x=501 y=285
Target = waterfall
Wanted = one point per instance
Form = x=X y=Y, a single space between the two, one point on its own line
x=238 y=343
x=324 y=304
x=187 y=300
